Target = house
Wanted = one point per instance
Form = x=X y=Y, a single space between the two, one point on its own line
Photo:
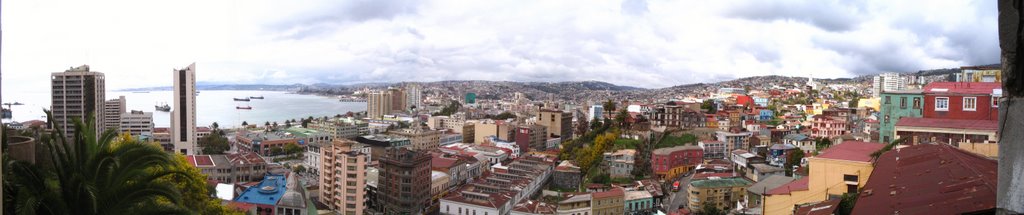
x=930 y=179
x=842 y=168
x=828 y=126
x=713 y=149
x=895 y=106
x=722 y=193
x=638 y=202
x=609 y=202
x=755 y=193
x=963 y=114
x=567 y=176
x=620 y=163
x=670 y=162
x=576 y=205
x=801 y=141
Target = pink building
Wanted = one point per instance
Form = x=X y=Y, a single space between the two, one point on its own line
x=343 y=191
x=828 y=127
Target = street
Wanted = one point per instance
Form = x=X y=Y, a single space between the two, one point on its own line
x=676 y=199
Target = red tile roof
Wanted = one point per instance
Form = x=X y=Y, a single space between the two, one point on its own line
x=161 y=130
x=949 y=123
x=797 y=185
x=827 y=207
x=926 y=179
x=851 y=151
x=201 y=160
x=961 y=87
x=610 y=193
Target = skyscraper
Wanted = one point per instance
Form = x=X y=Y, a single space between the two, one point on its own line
x=398 y=98
x=343 y=177
x=887 y=82
x=112 y=110
x=183 y=117
x=413 y=96
x=77 y=94
x=378 y=103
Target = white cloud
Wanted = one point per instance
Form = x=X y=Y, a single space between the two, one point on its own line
x=631 y=42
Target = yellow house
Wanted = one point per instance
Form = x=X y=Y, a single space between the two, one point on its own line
x=873 y=103
x=843 y=168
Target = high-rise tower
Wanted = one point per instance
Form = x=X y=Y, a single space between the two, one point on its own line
x=77 y=93
x=183 y=117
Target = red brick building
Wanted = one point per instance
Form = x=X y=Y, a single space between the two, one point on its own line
x=962 y=100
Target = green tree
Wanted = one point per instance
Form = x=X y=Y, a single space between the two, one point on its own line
x=847 y=203
x=215 y=126
x=608 y=106
x=853 y=102
x=710 y=209
x=266 y=124
x=244 y=123
x=504 y=115
x=793 y=158
x=93 y=175
x=822 y=143
x=620 y=118
x=709 y=106
x=292 y=148
x=215 y=143
x=299 y=169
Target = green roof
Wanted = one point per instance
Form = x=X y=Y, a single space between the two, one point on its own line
x=722 y=182
x=301 y=132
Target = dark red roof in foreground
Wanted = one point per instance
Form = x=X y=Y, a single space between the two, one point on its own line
x=826 y=207
x=961 y=87
x=949 y=123
x=929 y=179
x=851 y=151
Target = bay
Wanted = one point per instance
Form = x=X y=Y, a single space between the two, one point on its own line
x=211 y=106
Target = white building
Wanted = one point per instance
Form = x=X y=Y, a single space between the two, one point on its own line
x=71 y=91
x=887 y=82
x=112 y=110
x=413 y=96
x=595 y=112
x=183 y=116
x=136 y=123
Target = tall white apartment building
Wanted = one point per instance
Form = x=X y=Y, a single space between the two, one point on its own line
x=136 y=123
x=77 y=93
x=112 y=110
x=887 y=82
x=183 y=117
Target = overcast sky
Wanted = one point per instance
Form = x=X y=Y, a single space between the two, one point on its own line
x=632 y=42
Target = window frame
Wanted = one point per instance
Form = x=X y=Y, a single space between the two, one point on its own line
x=974 y=104
x=936 y=103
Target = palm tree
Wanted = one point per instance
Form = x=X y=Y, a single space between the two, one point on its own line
x=93 y=175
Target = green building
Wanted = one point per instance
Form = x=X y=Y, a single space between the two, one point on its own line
x=639 y=202
x=895 y=105
x=470 y=98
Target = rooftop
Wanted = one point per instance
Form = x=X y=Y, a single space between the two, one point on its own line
x=769 y=183
x=827 y=207
x=851 y=151
x=268 y=192
x=925 y=178
x=665 y=151
x=797 y=185
x=614 y=192
x=991 y=125
x=986 y=88
x=535 y=207
x=721 y=182
x=638 y=194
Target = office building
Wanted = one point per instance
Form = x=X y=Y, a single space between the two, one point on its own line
x=378 y=104
x=398 y=98
x=136 y=123
x=559 y=123
x=77 y=93
x=343 y=177
x=183 y=117
x=413 y=97
x=404 y=183
x=112 y=110
x=886 y=82
x=419 y=138
x=596 y=112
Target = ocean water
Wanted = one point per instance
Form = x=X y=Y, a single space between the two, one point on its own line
x=211 y=106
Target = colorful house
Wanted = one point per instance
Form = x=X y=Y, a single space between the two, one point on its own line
x=896 y=105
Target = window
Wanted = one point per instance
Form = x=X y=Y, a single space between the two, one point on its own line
x=917 y=103
x=887 y=119
x=888 y=100
x=995 y=101
x=942 y=103
x=970 y=103
x=903 y=102
x=850 y=178
x=851 y=188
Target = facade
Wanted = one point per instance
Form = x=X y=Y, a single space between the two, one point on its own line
x=413 y=97
x=955 y=113
x=668 y=163
x=567 y=176
x=980 y=74
x=531 y=137
x=638 y=202
x=136 y=123
x=620 y=163
x=439 y=182
x=886 y=82
x=723 y=193
x=679 y=115
x=77 y=93
x=183 y=116
x=343 y=177
x=828 y=127
x=378 y=104
x=112 y=110
x=419 y=138
x=596 y=112
x=402 y=186
x=576 y=205
x=842 y=168
x=559 y=123
x=733 y=140
x=756 y=191
x=714 y=149
x=229 y=168
x=894 y=106
x=609 y=202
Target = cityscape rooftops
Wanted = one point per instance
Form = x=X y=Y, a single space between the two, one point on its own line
x=267 y=192
x=639 y=194
x=535 y=207
x=925 y=178
x=949 y=123
x=610 y=193
x=714 y=182
x=851 y=151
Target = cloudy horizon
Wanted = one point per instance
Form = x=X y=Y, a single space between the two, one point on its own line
x=649 y=44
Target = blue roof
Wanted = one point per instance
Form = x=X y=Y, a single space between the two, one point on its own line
x=268 y=192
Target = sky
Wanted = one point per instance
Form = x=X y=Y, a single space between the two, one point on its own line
x=641 y=43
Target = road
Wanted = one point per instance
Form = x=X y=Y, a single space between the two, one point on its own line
x=678 y=198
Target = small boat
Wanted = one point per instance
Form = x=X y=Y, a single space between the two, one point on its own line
x=256 y=97
x=18 y=103
x=241 y=99
x=164 y=108
x=243 y=107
